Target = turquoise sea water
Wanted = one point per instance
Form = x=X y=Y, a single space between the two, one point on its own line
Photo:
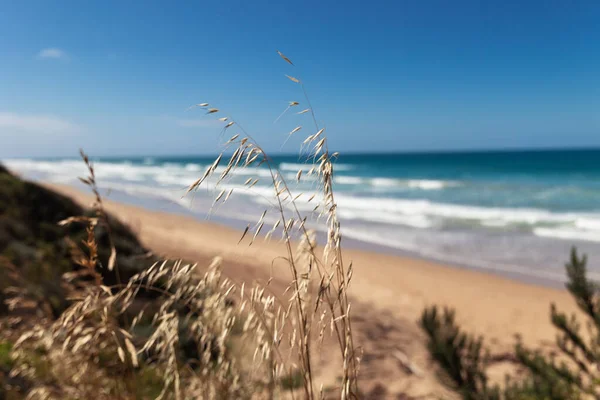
x=515 y=212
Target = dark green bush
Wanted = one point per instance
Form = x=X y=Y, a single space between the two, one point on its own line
x=464 y=359
x=461 y=356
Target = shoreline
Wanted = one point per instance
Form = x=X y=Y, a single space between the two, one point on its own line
x=476 y=221
x=388 y=292
x=350 y=243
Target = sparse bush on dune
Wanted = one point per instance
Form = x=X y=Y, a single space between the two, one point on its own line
x=461 y=356
x=574 y=374
x=122 y=328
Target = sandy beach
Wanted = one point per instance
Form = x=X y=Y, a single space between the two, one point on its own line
x=389 y=292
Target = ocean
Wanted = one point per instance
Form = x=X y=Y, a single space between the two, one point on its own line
x=515 y=213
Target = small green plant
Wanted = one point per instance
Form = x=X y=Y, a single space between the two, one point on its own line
x=461 y=356
x=6 y=361
x=292 y=381
x=574 y=375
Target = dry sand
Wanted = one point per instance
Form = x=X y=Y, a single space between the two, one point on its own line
x=389 y=292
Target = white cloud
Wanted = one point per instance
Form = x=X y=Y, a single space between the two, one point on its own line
x=52 y=52
x=197 y=123
x=11 y=123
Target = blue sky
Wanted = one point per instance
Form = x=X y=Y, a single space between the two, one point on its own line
x=116 y=76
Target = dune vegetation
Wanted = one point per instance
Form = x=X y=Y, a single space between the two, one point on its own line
x=89 y=313
x=569 y=373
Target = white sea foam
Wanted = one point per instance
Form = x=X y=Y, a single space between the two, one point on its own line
x=193 y=167
x=417 y=213
x=422 y=184
x=414 y=221
x=348 y=180
x=426 y=184
x=568 y=234
x=294 y=167
x=141 y=190
x=453 y=211
x=588 y=224
x=305 y=167
x=494 y=223
x=386 y=182
x=426 y=214
x=167 y=174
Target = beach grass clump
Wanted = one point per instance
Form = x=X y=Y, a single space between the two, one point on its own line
x=317 y=296
x=138 y=327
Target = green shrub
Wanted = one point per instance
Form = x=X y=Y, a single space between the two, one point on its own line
x=6 y=361
x=464 y=359
x=292 y=381
x=461 y=356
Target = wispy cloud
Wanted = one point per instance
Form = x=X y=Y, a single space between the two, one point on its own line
x=52 y=53
x=197 y=123
x=10 y=123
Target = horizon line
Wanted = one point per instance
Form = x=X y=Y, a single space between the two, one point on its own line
x=350 y=153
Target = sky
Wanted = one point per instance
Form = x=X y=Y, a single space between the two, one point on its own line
x=116 y=77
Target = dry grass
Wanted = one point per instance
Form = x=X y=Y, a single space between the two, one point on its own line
x=317 y=298
x=195 y=335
